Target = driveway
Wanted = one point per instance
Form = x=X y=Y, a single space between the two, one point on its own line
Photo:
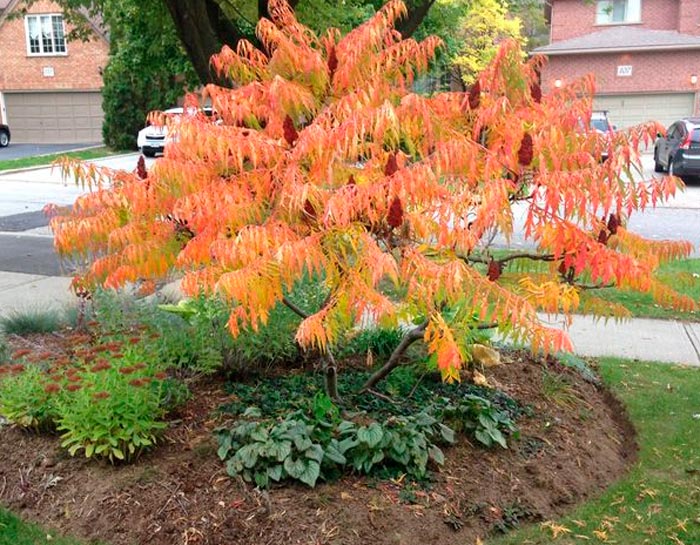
x=20 y=151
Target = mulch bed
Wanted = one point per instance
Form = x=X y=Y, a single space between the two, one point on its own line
x=569 y=450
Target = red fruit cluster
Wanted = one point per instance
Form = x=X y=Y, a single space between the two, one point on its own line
x=613 y=224
x=475 y=95
x=309 y=209
x=391 y=166
x=395 y=215
x=525 y=152
x=141 y=171
x=290 y=133
x=494 y=271
x=332 y=61
x=536 y=92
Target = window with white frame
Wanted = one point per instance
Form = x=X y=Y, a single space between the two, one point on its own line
x=45 y=35
x=618 y=12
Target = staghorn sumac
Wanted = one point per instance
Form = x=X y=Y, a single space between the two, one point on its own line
x=317 y=137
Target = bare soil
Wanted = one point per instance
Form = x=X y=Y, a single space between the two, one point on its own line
x=577 y=442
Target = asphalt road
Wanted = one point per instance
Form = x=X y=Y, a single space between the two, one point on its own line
x=20 y=151
x=30 y=254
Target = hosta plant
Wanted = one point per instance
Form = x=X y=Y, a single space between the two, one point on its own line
x=322 y=162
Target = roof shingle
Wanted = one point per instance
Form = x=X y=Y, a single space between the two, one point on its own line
x=622 y=38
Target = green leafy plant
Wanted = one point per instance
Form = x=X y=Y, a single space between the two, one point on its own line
x=28 y=398
x=113 y=415
x=313 y=444
x=478 y=417
x=381 y=342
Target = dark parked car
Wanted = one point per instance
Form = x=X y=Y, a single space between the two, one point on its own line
x=4 y=136
x=678 y=152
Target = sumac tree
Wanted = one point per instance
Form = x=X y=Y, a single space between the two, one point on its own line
x=324 y=164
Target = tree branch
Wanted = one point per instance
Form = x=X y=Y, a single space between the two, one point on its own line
x=294 y=308
x=409 y=338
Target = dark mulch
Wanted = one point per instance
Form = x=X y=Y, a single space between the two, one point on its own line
x=577 y=442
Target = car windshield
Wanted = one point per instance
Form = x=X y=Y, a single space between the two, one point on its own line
x=600 y=124
x=695 y=135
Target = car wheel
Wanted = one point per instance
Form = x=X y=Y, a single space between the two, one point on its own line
x=4 y=139
x=149 y=153
x=658 y=167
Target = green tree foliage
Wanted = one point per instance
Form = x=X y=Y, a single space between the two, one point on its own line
x=147 y=69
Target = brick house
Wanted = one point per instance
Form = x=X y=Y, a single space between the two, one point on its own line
x=50 y=88
x=645 y=55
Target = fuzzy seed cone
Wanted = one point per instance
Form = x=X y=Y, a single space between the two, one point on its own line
x=603 y=236
x=391 y=165
x=332 y=61
x=351 y=180
x=613 y=224
x=525 y=152
x=475 y=95
x=536 y=92
x=494 y=270
x=395 y=215
x=309 y=209
x=290 y=133
x=141 y=171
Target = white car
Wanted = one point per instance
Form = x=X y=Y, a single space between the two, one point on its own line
x=152 y=138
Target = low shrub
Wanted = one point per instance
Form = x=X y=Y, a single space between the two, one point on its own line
x=33 y=320
x=27 y=397
x=108 y=400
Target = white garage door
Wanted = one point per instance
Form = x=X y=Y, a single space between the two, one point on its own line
x=55 y=118
x=629 y=110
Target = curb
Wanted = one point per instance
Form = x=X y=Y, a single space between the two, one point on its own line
x=50 y=165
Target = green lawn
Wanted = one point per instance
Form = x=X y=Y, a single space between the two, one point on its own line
x=45 y=160
x=15 y=532
x=682 y=275
x=658 y=502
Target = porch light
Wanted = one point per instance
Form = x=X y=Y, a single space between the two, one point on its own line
x=557 y=82
x=694 y=79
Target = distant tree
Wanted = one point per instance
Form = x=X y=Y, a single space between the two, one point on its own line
x=324 y=164
x=479 y=33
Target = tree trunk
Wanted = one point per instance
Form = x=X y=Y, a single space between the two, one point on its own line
x=203 y=29
x=417 y=11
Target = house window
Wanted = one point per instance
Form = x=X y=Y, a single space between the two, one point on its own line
x=45 y=35
x=618 y=12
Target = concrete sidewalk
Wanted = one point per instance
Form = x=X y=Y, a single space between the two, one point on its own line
x=642 y=339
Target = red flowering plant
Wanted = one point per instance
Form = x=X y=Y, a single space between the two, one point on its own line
x=326 y=164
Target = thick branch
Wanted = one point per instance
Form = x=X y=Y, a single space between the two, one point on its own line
x=409 y=338
x=417 y=11
x=294 y=308
x=510 y=257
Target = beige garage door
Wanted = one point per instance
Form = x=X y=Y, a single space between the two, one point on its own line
x=629 y=110
x=55 y=118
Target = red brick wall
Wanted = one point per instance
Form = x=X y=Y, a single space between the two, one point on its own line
x=689 y=17
x=573 y=18
x=668 y=71
x=79 y=69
